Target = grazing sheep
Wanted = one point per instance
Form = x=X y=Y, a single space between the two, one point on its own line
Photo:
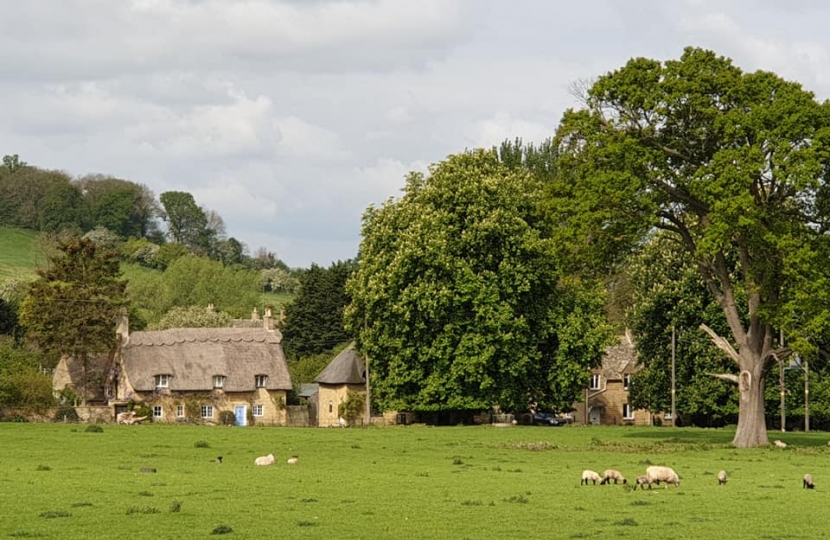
x=265 y=460
x=721 y=478
x=657 y=474
x=590 y=476
x=219 y=459
x=611 y=474
x=808 y=481
x=643 y=482
x=292 y=460
x=780 y=444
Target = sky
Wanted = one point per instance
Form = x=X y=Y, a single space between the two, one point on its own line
x=290 y=117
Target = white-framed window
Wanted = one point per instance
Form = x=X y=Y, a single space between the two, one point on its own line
x=256 y=410
x=162 y=380
x=218 y=381
x=207 y=411
x=179 y=411
x=628 y=412
x=261 y=380
x=626 y=381
x=596 y=381
x=158 y=412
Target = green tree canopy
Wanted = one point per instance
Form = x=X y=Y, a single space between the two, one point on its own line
x=735 y=166
x=126 y=208
x=457 y=299
x=314 y=320
x=192 y=317
x=186 y=221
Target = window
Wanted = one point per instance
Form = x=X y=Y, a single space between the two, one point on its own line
x=162 y=381
x=207 y=411
x=667 y=416
x=626 y=381
x=218 y=381
x=158 y=412
x=628 y=412
x=260 y=380
x=331 y=407
x=256 y=410
x=596 y=380
x=179 y=411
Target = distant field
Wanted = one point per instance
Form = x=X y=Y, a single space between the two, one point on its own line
x=58 y=481
x=19 y=253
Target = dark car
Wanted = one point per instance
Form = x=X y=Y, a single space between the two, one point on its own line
x=547 y=419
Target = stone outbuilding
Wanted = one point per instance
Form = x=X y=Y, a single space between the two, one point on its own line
x=345 y=372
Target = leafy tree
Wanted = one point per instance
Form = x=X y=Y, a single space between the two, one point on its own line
x=22 y=385
x=126 y=208
x=733 y=165
x=231 y=251
x=314 y=320
x=62 y=208
x=192 y=317
x=186 y=221
x=168 y=254
x=13 y=163
x=458 y=301
x=280 y=280
x=71 y=308
x=22 y=193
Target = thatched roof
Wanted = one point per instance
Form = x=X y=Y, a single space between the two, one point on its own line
x=193 y=356
x=619 y=359
x=345 y=368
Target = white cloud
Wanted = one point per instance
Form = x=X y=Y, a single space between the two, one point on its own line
x=492 y=131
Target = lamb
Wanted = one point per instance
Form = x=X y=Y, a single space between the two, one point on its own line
x=721 y=478
x=611 y=474
x=264 y=460
x=292 y=460
x=657 y=474
x=590 y=476
x=642 y=481
x=780 y=444
x=808 y=481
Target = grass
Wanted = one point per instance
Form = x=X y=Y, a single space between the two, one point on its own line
x=402 y=482
x=20 y=254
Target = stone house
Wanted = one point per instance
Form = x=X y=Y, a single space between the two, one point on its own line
x=345 y=372
x=194 y=374
x=605 y=400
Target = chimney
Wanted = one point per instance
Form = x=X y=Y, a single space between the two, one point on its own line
x=255 y=315
x=122 y=327
x=210 y=308
x=268 y=320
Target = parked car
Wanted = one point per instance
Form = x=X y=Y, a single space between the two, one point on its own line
x=548 y=419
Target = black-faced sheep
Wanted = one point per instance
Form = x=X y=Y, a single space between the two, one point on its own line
x=590 y=476
x=808 y=481
x=642 y=481
x=721 y=478
x=657 y=474
x=264 y=460
x=611 y=474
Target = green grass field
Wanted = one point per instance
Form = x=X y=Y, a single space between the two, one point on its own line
x=19 y=253
x=59 y=481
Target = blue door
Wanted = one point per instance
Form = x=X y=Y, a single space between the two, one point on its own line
x=241 y=417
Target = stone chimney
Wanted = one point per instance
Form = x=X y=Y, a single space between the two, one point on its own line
x=122 y=327
x=268 y=320
x=255 y=315
x=211 y=309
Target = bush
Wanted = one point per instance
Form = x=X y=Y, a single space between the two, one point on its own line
x=227 y=418
x=94 y=428
x=65 y=413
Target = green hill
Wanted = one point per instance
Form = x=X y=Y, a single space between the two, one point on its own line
x=20 y=253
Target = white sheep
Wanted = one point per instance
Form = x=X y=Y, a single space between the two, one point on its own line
x=808 y=481
x=721 y=478
x=590 y=476
x=611 y=474
x=780 y=444
x=657 y=474
x=264 y=460
x=642 y=481
x=292 y=460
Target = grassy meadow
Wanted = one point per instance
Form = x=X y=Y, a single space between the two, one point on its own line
x=60 y=481
x=20 y=254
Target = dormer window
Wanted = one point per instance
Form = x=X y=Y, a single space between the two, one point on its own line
x=162 y=380
x=218 y=381
x=260 y=380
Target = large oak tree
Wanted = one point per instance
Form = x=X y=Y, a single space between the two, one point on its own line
x=734 y=165
x=458 y=300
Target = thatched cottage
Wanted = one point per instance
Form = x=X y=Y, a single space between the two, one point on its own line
x=605 y=400
x=345 y=372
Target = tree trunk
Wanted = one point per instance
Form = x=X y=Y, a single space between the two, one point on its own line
x=752 y=425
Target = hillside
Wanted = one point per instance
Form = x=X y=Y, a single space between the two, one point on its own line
x=20 y=253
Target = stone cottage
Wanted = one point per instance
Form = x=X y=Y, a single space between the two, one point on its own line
x=345 y=372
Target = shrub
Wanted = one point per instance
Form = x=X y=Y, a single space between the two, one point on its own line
x=66 y=413
x=227 y=418
x=94 y=428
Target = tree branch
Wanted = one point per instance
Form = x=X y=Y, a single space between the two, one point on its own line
x=725 y=377
x=722 y=344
